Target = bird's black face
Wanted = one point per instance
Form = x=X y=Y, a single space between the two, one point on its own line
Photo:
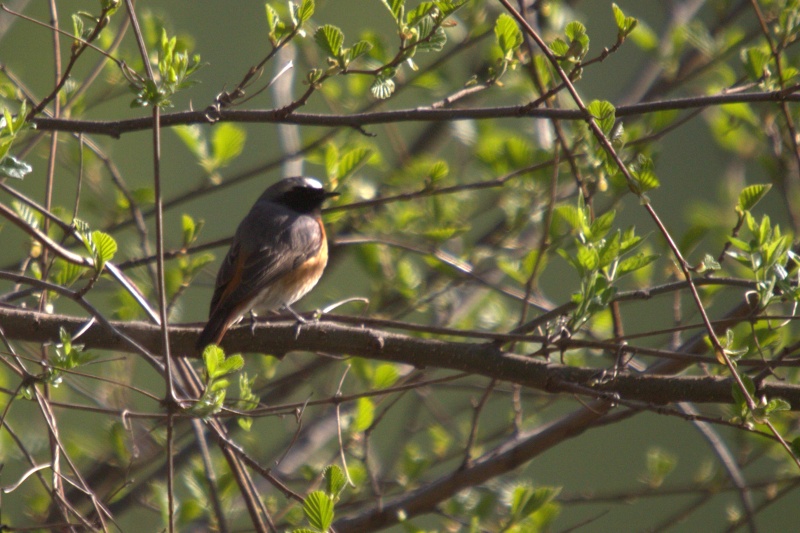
x=304 y=195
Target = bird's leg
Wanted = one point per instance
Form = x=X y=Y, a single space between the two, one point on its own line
x=297 y=317
x=299 y=323
x=253 y=317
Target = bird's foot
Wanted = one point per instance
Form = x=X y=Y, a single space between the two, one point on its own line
x=253 y=322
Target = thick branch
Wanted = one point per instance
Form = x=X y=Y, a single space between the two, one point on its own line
x=420 y=114
x=480 y=358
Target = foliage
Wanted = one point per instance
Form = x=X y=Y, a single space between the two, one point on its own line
x=549 y=222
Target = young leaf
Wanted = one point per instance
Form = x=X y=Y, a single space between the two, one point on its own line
x=365 y=414
x=632 y=264
x=335 y=481
x=559 y=47
x=644 y=176
x=382 y=88
x=579 y=41
x=587 y=258
x=273 y=19
x=570 y=214
x=508 y=34
x=439 y=170
x=192 y=136
x=625 y=25
x=359 y=49
x=416 y=15
x=67 y=273
x=756 y=62
x=190 y=229
x=395 y=7
x=385 y=376
x=604 y=113
x=105 y=247
x=330 y=38
x=352 y=161
x=305 y=11
x=435 y=39
x=318 y=508
x=751 y=195
x=601 y=226
x=227 y=142
x=212 y=357
x=659 y=465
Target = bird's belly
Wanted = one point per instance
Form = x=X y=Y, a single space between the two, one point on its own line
x=292 y=286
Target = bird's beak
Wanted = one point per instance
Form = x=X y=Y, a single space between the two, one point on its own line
x=330 y=194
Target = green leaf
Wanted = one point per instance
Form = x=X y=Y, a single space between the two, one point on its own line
x=331 y=158
x=219 y=385
x=571 y=215
x=232 y=364
x=439 y=170
x=359 y=49
x=579 y=41
x=601 y=226
x=777 y=404
x=382 y=88
x=67 y=273
x=305 y=11
x=318 y=508
x=448 y=7
x=435 y=39
x=756 y=62
x=227 y=142
x=352 y=161
x=66 y=339
x=508 y=34
x=587 y=258
x=188 y=225
x=527 y=500
x=330 y=39
x=335 y=481
x=659 y=465
x=192 y=136
x=364 y=415
x=625 y=25
x=609 y=251
x=632 y=264
x=738 y=396
x=604 y=113
x=105 y=247
x=77 y=25
x=14 y=168
x=644 y=176
x=559 y=47
x=751 y=195
x=417 y=14
x=273 y=20
x=213 y=356
x=395 y=7
x=191 y=229
x=385 y=376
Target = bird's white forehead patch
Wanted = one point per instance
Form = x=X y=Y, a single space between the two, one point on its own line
x=315 y=184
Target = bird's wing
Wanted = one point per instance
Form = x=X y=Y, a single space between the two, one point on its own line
x=277 y=245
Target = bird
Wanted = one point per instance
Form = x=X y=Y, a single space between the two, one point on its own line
x=277 y=256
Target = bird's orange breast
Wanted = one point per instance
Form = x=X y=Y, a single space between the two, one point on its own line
x=295 y=284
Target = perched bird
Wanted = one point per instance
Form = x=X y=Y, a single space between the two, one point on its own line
x=278 y=254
